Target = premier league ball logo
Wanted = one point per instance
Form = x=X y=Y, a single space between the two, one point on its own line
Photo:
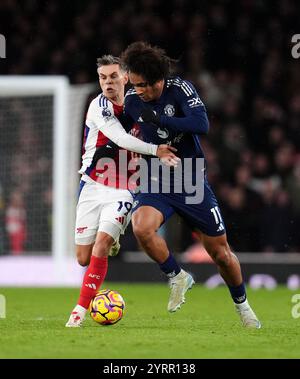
x=106 y=113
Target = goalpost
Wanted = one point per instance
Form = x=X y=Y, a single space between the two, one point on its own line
x=29 y=107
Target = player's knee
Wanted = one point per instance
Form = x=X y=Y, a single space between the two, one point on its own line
x=145 y=222
x=102 y=245
x=83 y=259
x=83 y=254
x=142 y=231
x=222 y=255
x=223 y=259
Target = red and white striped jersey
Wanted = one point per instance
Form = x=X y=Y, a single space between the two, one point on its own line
x=103 y=126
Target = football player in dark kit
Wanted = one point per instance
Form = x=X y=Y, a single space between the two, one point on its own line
x=169 y=110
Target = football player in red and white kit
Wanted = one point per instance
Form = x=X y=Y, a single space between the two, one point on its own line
x=104 y=206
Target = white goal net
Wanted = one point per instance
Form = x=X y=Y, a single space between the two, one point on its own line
x=41 y=120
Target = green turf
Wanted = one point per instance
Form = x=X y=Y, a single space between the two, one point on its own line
x=205 y=327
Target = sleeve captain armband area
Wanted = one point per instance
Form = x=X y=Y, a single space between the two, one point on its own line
x=187 y=92
x=195 y=118
x=195 y=102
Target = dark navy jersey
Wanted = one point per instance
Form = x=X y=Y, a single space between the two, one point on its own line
x=183 y=117
x=183 y=120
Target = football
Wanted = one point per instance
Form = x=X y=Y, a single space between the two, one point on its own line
x=107 y=307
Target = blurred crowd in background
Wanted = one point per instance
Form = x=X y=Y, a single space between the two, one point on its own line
x=25 y=174
x=238 y=55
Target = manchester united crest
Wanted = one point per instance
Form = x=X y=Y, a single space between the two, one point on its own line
x=169 y=110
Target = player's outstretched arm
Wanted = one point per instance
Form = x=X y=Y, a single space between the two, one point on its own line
x=110 y=126
x=114 y=131
x=164 y=152
x=106 y=122
x=194 y=121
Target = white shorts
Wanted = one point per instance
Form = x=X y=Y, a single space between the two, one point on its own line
x=101 y=209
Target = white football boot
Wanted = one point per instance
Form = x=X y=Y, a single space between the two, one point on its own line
x=77 y=317
x=247 y=316
x=179 y=285
x=114 y=250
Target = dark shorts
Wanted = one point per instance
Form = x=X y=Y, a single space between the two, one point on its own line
x=205 y=216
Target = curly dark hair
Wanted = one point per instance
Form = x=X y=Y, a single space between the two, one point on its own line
x=150 y=62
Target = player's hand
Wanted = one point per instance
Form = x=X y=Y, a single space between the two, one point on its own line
x=167 y=156
x=150 y=116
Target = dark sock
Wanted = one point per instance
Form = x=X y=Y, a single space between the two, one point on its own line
x=238 y=293
x=170 y=266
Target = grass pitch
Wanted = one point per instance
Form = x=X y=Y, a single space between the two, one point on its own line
x=205 y=327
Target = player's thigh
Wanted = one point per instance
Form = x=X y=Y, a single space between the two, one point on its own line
x=87 y=215
x=116 y=214
x=205 y=216
x=147 y=218
x=211 y=242
x=150 y=211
